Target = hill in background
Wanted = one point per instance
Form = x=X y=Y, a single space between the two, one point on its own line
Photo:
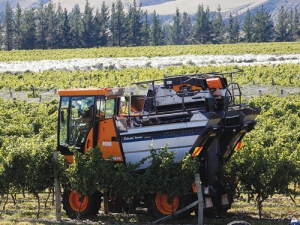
x=271 y=6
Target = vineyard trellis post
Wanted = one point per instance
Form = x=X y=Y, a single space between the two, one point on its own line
x=57 y=190
x=200 y=199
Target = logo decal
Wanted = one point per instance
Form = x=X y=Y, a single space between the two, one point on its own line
x=107 y=143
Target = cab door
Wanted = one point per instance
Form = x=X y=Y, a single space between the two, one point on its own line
x=76 y=123
x=107 y=135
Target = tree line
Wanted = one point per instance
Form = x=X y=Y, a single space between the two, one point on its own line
x=51 y=27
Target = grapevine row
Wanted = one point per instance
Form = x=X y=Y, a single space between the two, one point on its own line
x=152 y=51
x=281 y=75
x=266 y=164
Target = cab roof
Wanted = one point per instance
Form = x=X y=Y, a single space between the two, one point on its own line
x=91 y=92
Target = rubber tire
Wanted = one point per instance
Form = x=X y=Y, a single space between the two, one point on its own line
x=94 y=204
x=238 y=223
x=116 y=205
x=152 y=209
x=130 y=208
x=97 y=204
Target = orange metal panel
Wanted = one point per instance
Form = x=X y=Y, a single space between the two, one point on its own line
x=214 y=82
x=107 y=140
x=91 y=91
x=69 y=158
x=112 y=150
x=193 y=87
x=89 y=140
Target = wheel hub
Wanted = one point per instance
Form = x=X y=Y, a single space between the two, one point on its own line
x=78 y=202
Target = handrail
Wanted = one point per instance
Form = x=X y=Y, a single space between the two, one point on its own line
x=231 y=104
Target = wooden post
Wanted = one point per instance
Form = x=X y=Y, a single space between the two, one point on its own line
x=200 y=199
x=10 y=93
x=105 y=201
x=57 y=190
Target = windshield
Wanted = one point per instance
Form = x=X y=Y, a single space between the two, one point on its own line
x=76 y=115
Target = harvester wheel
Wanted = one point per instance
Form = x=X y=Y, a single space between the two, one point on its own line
x=114 y=203
x=89 y=205
x=159 y=206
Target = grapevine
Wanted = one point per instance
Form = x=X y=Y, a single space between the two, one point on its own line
x=152 y=51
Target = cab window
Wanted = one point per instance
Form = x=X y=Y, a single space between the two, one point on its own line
x=105 y=108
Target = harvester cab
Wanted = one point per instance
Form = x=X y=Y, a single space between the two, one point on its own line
x=82 y=113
